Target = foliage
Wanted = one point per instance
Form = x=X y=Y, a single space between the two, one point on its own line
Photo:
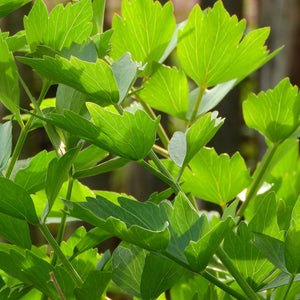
x=251 y=251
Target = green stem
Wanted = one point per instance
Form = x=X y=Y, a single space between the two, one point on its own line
x=52 y=242
x=197 y=105
x=160 y=130
x=236 y=274
x=24 y=132
x=62 y=225
x=175 y=185
x=258 y=181
x=180 y=173
x=291 y=281
x=206 y=275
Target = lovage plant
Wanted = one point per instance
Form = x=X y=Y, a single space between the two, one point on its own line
x=102 y=118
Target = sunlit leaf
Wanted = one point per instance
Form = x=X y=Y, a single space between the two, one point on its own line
x=63 y=26
x=276 y=113
x=6 y=143
x=145 y=31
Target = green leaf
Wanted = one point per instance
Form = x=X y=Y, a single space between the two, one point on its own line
x=143 y=274
x=280 y=280
x=128 y=263
x=211 y=98
x=65 y=282
x=105 y=167
x=57 y=172
x=183 y=147
x=217 y=179
x=145 y=31
x=94 y=286
x=125 y=73
x=102 y=43
x=189 y=285
x=265 y=218
x=94 y=79
x=89 y=157
x=130 y=136
x=29 y=269
x=63 y=26
x=15 y=231
x=199 y=253
x=16 y=202
x=6 y=143
x=143 y=224
x=249 y=261
x=9 y=90
x=91 y=239
x=185 y=226
x=272 y=249
x=98 y=15
x=33 y=177
x=210 y=47
x=79 y=192
x=167 y=90
x=8 y=6
x=275 y=113
x=292 y=241
x=173 y=43
x=159 y=274
x=17 y=42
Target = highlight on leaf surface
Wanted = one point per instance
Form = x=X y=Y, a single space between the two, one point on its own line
x=276 y=113
x=211 y=49
x=145 y=30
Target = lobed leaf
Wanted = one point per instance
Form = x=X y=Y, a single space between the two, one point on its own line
x=129 y=220
x=63 y=26
x=167 y=90
x=130 y=135
x=214 y=178
x=276 y=113
x=210 y=48
x=94 y=79
x=250 y=262
x=183 y=147
x=145 y=31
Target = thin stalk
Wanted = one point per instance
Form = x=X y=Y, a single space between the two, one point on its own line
x=161 y=151
x=206 y=275
x=236 y=274
x=291 y=281
x=258 y=181
x=66 y=263
x=24 y=132
x=175 y=185
x=180 y=173
x=160 y=130
x=62 y=225
x=198 y=102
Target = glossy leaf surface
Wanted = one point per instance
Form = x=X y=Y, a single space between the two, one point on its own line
x=276 y=113
x=210 y=47
x=167 y=91
x=63 y=26
x=94 y=79
x=147 y=39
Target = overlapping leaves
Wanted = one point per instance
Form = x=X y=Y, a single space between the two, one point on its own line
x=63 y=26
x=155 y=227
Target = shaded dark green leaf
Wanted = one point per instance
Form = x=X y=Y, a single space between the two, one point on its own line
x=7 y=6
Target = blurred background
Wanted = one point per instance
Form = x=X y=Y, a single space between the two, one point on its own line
x=283 y=18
